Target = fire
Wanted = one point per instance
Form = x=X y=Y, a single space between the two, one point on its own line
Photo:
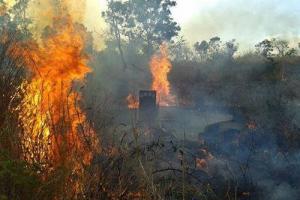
x=161 y=66
x=132 y=102
x=251 y=125
x=55 y=129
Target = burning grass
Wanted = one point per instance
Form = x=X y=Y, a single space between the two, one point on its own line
x=55 y=129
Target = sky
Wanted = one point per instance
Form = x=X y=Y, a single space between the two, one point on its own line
x=247 y=21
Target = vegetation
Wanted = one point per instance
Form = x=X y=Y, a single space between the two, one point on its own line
x=252 y=155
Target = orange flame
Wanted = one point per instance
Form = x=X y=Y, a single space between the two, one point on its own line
x=132 y=102
x=55 y=128
x=161 y=66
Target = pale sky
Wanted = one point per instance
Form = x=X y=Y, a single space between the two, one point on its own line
x=248 y=21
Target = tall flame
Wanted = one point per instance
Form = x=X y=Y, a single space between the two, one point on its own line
x=56 y=132
x=161 y=66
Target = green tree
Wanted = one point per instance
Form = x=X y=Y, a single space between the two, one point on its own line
x=17 y=180
x=154 y=22
x=15 y=20
x=118 y=17
x=19 y=17
x=144 y=22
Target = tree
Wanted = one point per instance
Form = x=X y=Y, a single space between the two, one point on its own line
x=231 y=48
x=154 y=22
x=291 y=52
x=282 y=51
x=4 y=16
x=15 y=19
x=146 y=21
x=216 y=48
x=281 y=47
x=275 y=48
x=265 y=48
x=116 y=16
x=11 y=64
x=17 y=179
x=180 y=50
x=214 y=45
x=202 y=49
x=19 y=17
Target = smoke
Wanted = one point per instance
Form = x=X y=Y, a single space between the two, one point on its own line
x=247 y=21
x=47 y=9
x=43 y=12
x=282 y=191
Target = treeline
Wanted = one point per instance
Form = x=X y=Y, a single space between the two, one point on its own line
x=262 y=84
